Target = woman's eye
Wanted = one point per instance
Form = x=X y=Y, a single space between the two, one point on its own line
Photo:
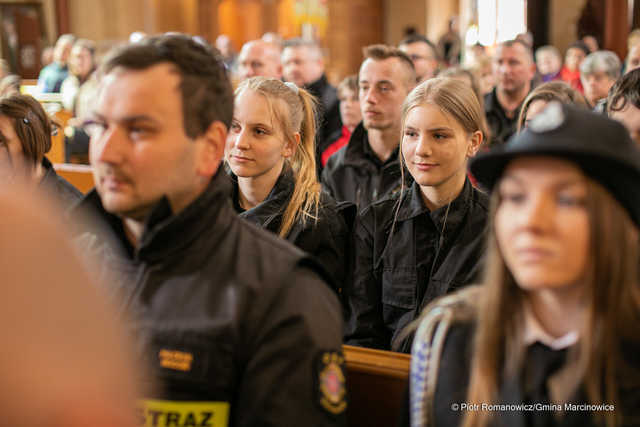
x=260 y=131
x=235 y=127
x=512 y=197
x=440 y=136
x=570 y=200
x=410 y=133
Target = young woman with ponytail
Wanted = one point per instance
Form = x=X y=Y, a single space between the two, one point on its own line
x=271 y=153
x=428 y=239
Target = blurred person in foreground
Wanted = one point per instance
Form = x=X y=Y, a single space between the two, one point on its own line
x=65 y=360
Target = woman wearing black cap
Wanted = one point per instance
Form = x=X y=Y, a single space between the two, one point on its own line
x=552 y=337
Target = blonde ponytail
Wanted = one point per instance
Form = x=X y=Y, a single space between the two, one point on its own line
x=300 y=116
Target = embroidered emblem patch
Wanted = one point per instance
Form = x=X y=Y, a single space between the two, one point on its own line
x=176 y=360
x=331 y=382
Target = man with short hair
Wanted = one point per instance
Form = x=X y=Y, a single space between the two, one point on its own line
x=514 y=69
x=367 y=168
x=259 y=58
x=52 y=76
x=303 y=64
x=237 y=326
x=423 y=54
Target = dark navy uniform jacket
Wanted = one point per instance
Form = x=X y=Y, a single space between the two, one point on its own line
x=236 y=326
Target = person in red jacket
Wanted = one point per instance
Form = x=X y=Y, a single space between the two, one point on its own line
x=350 y=115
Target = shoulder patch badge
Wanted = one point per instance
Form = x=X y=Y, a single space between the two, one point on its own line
x=332 y=390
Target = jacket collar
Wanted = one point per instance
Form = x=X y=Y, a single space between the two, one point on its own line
x=446 y=217
x=317 y=88
x=165 y=233
x=359 y=151
x=274 y=205
x=50 y=176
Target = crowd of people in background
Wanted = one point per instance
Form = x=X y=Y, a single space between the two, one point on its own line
x=374 y=206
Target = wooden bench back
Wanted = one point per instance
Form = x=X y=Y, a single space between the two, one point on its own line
x=377 y=382
x=80 y=176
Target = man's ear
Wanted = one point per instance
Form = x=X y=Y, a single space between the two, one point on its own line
x=211 y=149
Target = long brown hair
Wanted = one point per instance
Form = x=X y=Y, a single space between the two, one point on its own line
x=613 y=313
x=297 y=117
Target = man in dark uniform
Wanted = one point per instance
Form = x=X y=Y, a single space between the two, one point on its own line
x=238 y=327
x=514 y=70
x=367 y=168
x=303 y=64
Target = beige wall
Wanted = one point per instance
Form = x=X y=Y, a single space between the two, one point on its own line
x=109 y=22
x=400 y=14
x=564 y=15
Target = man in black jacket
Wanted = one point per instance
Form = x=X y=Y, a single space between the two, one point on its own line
x=367 y=168
x=237 y=327
x=303 y=64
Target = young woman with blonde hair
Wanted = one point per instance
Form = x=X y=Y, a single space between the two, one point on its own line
x=270 y=151
x=550 y=338
x=426 y=241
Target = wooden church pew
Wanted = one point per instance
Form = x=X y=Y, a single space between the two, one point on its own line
x=78 y=175
x=376 y=381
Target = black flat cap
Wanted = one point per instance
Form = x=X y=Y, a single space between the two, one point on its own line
x=600 y=146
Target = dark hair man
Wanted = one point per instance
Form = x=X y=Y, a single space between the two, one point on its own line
x=423 y=54
x=367 y=168
x=303 y=64
x=623 y=103
x=236 y=325
x=514 y=69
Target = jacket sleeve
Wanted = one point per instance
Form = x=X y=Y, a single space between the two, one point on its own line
x=294 y=372
x=365 y=325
